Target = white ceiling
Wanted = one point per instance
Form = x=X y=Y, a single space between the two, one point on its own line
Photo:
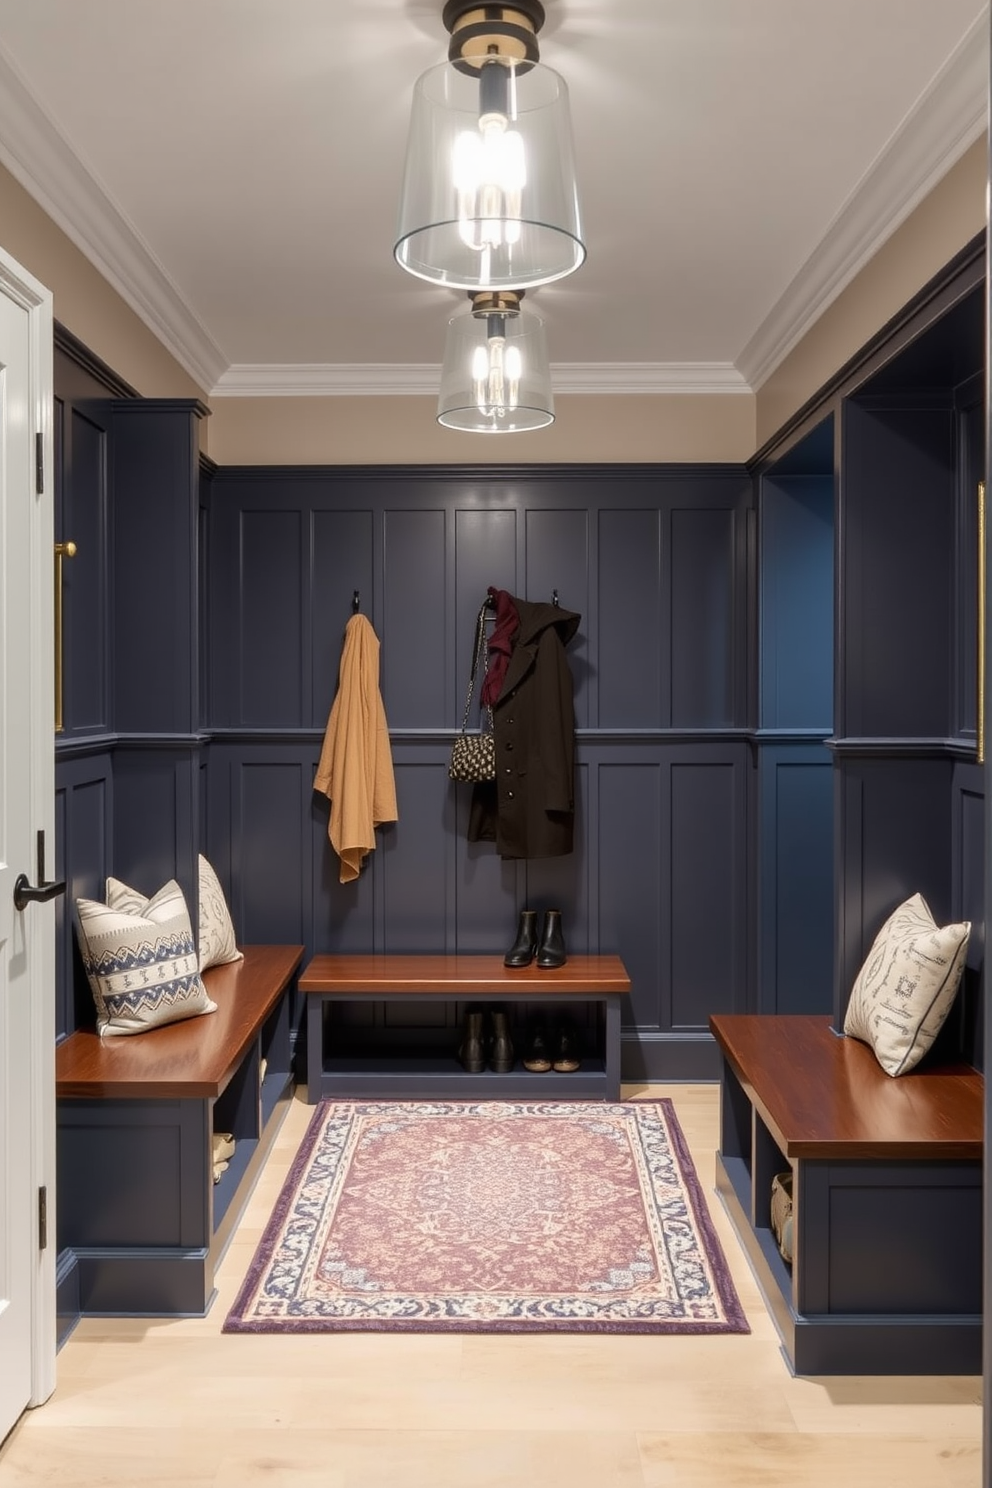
x=233 y=168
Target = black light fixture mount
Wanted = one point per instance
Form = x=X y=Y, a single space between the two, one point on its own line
x=479 y=32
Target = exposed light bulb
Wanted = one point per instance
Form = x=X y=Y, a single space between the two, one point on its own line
x=496 y=370
x=489 y=169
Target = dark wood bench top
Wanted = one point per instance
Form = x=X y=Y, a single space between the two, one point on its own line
x=824 y=1096
x=446 y=976
x=194 y=1058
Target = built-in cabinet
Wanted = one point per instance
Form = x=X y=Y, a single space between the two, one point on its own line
x=885 y=468
x=881 y=473
x=910 y=794
x=141 y=1224
x=147 y=1203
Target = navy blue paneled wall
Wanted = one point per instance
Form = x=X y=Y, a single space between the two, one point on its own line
x=794 y=834
x=796 y=516
x=128 y=771
x=653 y=559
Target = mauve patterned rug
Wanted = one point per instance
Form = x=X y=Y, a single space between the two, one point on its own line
x=490 y=1217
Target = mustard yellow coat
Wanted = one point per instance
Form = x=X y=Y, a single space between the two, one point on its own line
x=356 y=767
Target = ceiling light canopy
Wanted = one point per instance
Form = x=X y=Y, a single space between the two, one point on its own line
x=495 y=378
x=489 y=199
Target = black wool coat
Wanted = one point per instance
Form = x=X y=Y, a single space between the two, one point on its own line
x=529 y=809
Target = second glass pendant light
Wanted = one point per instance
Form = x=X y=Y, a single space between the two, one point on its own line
x=495 y=378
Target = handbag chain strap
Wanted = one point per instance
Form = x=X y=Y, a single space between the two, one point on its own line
x=480 y=646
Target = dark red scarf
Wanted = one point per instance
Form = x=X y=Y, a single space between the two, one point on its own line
x=500 y=644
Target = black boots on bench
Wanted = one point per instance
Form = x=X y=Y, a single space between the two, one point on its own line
x=486 y=1041
x=548 y=952
x=524 y=948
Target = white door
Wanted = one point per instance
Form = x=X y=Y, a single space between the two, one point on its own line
x=27 y=807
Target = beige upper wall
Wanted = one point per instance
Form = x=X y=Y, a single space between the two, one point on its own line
x=588 y=428
x=83 y=300
x=404 y=430
x=941 y=225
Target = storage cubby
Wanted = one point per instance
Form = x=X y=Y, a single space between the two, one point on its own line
x=276 y=1068
x=425 y=1060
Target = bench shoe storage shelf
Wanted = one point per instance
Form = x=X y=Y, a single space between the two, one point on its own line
x=142 y=1225
x=341 y=1071
x=887 y=1185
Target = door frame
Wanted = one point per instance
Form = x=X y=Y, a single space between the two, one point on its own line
x=25 y=291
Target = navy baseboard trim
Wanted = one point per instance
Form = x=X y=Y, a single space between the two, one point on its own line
x=650 y=1057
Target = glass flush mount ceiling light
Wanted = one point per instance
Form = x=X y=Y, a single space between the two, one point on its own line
x=495 y=378
x=489 y=199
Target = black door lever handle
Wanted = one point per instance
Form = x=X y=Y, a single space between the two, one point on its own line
x=26 y=893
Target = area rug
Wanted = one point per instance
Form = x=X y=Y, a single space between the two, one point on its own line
x=490 y=1217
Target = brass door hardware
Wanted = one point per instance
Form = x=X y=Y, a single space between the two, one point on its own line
x=980 y=708
x=62 y=550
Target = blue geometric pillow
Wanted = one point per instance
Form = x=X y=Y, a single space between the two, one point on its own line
x=217 y=941
x=142 y=967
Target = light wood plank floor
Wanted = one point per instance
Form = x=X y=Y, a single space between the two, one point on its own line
x=163 y=1404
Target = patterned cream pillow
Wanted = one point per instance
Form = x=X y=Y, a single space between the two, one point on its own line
x=905 y=989
x=142 y=966
x=217 y=942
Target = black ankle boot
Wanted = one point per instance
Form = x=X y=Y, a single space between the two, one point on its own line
x=537 y=1047
x=501 y=1052
x=472 y=1050
x=566 y=1055
x=521 y=953
x=551 y=951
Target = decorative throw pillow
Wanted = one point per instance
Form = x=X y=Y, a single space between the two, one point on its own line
x=142 y=966
x=905 y=989
x=217 y=940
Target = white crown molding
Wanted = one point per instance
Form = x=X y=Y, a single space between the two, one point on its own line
x=381 y=379
x=650 y=378
x=326 y=380
x=949 y=117
x=41 y=160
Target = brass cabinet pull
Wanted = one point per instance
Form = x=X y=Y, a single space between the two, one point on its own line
x=62 y=550
x=980 y=709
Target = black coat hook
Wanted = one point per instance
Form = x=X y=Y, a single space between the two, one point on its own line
x=356 y=602
x=554 y=598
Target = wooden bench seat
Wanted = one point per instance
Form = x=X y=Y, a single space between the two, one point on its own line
x=886 y=1275
x=333 y=1070
x=825 y=1096
x=142 y=1222
x=194 y=1058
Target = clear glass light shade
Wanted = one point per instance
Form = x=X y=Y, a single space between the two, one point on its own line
x=489 y=198
x=495 y=378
